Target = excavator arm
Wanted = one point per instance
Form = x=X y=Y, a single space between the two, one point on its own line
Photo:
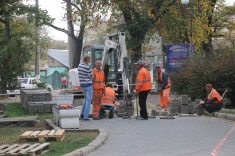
x=120 y=49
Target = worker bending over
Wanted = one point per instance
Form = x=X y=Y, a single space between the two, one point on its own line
x=98 y=82
x=164 y=83
x=143 y=87
x=108 y=101
x=212 y=102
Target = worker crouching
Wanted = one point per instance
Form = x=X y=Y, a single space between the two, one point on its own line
x=212 y=103
x=143 y=87
x=98 y=82
x=164 y=85
x=108 y=102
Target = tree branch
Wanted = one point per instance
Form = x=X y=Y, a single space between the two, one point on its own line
x=72 y=4
x=61 y=29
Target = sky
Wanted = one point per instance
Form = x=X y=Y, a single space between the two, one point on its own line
x=55 y=9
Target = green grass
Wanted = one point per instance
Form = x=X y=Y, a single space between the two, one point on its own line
x=72 y=140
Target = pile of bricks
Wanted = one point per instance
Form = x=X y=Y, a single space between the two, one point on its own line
x=36 y=100
x=41 y=107
x=175 y=106
x=125 y=110
x=182 y=106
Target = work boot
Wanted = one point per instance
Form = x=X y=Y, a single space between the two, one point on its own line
x=96 y=118
x=141 y=118
x=81 y=117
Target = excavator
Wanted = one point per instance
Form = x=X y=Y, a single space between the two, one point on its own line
x=115 y=64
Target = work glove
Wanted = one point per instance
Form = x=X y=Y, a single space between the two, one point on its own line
x=134 y=91
x=201 y=102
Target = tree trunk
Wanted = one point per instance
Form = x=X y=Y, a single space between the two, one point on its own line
x=136 y=56
x=78 y=46
x=77 y=51
x=208 y=47
x=3 y=86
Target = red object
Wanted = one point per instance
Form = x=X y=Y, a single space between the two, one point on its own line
x=63 y=82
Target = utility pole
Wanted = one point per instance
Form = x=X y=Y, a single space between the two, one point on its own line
x=37 y=59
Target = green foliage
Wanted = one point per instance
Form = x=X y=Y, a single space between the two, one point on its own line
x=41 y=85
x=14 y=51
x=17 y=40
x=219 y=71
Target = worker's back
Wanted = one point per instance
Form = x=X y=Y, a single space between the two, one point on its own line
x=144 y=76
x=109 y=96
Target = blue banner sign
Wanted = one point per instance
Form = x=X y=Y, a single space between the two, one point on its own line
x=177 y=55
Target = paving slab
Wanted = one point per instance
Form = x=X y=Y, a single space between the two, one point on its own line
x=158 y=137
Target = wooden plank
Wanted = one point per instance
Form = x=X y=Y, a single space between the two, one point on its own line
x=15 y=150
x=51 y=133
x=44 y=133
x=9 y=148
x=39 y=147
x=28 y=148
x=29 y=118
x=26 y=134
x=59 y=132
x=35 y=133
x=4 y=146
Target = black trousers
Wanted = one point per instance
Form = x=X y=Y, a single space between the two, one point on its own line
x=210 y=108
x=142 y=103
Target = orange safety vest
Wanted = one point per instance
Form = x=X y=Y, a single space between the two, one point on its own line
x=214 y=94
x=168 y=83
x=98 y=80
x=143 y=80
x=108 y=97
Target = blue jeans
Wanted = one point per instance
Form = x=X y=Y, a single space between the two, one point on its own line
x=105 y=107
x=87 y=92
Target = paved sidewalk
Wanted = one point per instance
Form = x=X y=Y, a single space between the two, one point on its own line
x=183 y=136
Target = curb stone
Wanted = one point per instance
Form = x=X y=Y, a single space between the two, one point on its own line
x=225 y=116
x=99 y=140
x=51 y=124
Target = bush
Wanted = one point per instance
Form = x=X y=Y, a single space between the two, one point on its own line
x=218 y=70
x=41 y=85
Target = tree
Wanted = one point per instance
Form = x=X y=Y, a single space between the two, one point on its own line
x=14 y=51
x=17 y=39
x=81 y=13
x=224 y=26
x=139 y=19
x=174 y=27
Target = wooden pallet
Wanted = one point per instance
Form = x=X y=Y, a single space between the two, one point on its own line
x=16 y=149
x=43 y=135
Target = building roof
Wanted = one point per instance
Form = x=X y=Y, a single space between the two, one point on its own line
x=61 y=56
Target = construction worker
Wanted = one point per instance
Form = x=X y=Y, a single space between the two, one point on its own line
x=108 y=101
x=98 y=82
x=164 y=86
x=143 y=87
x=212 y=103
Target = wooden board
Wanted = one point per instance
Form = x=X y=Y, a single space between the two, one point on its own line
x=52 y=132
x=15 y=149
x=26 y=134
x=59 y=132
x=43 y=133
x=28 y=148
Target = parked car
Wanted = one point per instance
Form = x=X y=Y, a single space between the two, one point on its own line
x=28 y=83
